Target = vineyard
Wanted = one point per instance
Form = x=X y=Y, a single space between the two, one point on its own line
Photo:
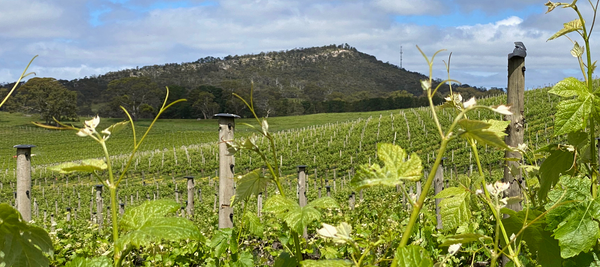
x=67 y=204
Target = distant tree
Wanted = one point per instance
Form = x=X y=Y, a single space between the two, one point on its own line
x=206 y=104
x=50 y=99
x=139 y=95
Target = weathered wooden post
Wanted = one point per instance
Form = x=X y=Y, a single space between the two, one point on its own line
x=351 y=200
x=259 y=205
x=99 y=206
x=200 y=195
x=23 y=201
x=121 y=208
x=438 y=185
x=515 y=93
x=190 y=191
x=226 y=169
x=302 y=192
x=68 y=214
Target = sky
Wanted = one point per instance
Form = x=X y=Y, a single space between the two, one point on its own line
x=78 y=38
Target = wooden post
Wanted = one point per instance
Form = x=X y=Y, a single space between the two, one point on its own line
x=23 y=201
x=226 y=169
x=99 y=205
x=121 y=208
x=302 y=192
x=68 y=214
x=259 y=205
x=190 y=201
x=515 y=93
x=438 y=185
x=352 y=200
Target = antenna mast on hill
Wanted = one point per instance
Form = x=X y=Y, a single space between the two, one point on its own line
x=400 y=56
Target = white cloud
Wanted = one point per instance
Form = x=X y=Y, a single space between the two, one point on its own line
x=412 y=7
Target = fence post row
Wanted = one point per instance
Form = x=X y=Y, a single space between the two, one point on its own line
x=23 y=193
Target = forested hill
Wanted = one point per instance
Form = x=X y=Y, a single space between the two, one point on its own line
x=334 y=78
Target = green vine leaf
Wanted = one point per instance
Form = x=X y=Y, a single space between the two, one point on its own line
x=538 y=239
x=396 y=168
x=454 y=207
x=93 y=262
x=571 y=26
x=297 y=217
x=413 y=256
x=147 y=224
x=254 y=225
x=490 y=132
x=464 y=239
x=86 y=165
x=21 y=244
x=569 y=87
x=572 y=114
x=250 y=184
x=220 y=241
x=559 y=162
x=574 y=220
x=325 y=263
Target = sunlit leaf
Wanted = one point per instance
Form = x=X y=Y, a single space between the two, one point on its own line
x=559 y=162
x=454 y=207
x=91 y=262
x=413 y=256
x=250 y=184
x=463 y=239
x=325 y=263
x=115 y=128
x=396 y=168
x=86 y=165
x=571 y=26
x=569 y=87
x=483 y=132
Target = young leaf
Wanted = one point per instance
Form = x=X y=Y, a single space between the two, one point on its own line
x=454 y=207
x=572 y=114
x=250 y=184
x=86 y=165
x=397 y=168
x=413 y=256
x=285 y=259
x=569 y=87
x=559 y=161
x=571 y=26
x=297 y=217
x=93 y=262
x=115 y=128
x=148 y=224
x=483 y=132
x=325 y=263
x=20 y=243
x=254 y=225
x=463 y=239
x=220 y=241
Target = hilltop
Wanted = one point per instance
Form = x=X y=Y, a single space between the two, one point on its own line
x=334 y=78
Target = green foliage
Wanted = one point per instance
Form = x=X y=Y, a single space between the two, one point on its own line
x=464 y=239
x=413 y=256
x=396 y=168
x=485 y=132
x=538 y=239
x=250 y=184
x=86 y=165
x=47 y=97
x=295 y=216
x=21 y=244
x=325 y=263
x=92 y=262
x=147 y=224
x=454 y=207
x=574 y=220
x=559 y=161
x=571 y=26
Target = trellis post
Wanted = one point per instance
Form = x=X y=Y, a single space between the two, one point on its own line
x=226 y=168
x=23 y=200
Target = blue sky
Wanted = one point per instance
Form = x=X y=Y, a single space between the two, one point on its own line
x=76 y=38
